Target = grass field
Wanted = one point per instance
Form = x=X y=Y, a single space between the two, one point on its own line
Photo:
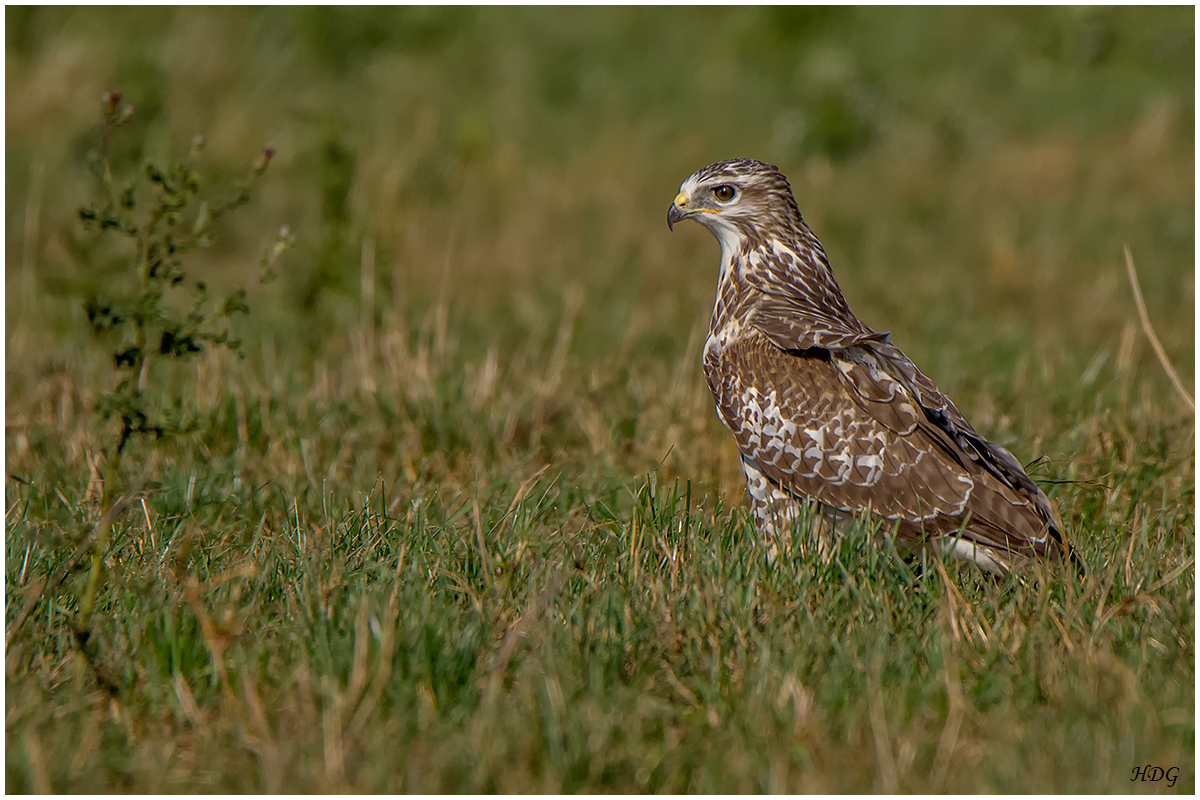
x=464 y=518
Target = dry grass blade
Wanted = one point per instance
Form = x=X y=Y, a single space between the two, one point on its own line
x=519 y=629
x=483 y=551
x=358 y=669
x=1149 y=329
x=883 y=750
x=1061 y=629
x=1172 y=575
x=386 y=653
x=260 y=740
x=954 y=718
x=684 y=692
x=524 y=487
x=951 y=603
x=187 y=702
x=215 y=639
x=36 y=757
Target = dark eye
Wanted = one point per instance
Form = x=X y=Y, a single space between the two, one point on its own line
x=725 y=193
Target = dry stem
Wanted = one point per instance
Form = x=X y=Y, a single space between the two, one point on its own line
x=1149 y=329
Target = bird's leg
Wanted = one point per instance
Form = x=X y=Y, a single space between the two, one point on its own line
x=829 y=526
x=775 y=511
x=775 y=522
x=781 y=515
x=778 y=513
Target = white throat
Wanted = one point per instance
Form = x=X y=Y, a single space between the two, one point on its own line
x=730 y=239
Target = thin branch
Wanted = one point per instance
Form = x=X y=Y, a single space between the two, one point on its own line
x=1149 y=329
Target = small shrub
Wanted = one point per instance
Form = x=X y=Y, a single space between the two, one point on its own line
x=158 y=216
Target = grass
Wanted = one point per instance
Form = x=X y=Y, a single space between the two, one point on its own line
x=464 y=518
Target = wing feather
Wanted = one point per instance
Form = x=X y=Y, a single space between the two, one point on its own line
x=847 y=428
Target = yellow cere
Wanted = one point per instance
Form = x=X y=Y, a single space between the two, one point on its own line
x=681 y=200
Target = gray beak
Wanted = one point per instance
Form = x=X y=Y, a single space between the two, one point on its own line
x=674 y=214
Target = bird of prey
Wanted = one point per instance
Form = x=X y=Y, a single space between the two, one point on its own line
x=826 y=411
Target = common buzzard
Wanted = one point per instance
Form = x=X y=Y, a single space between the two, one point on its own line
x=827 y=411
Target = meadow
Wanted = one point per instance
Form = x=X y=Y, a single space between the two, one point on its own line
x=462 y=516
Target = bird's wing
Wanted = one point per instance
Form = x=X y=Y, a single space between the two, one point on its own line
x=793 y=415
x=791 y=324
x=880 y=364
x=850 y=435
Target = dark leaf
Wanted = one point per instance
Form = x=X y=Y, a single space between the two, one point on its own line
x=127 y=357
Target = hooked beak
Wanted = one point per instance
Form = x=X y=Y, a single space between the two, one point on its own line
x=676 y=212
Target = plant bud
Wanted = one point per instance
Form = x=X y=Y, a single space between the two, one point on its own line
x=110 y=101
x=261 y=163
x=126 y=115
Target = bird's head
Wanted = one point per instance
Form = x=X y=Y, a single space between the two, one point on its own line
x=735 y=199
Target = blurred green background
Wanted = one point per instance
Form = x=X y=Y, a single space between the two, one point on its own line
x=958 y=164
x=483 y=282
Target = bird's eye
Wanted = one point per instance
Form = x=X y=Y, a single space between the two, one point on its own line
x=725 y=193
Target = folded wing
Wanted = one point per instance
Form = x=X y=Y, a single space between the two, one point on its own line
x=861 y=429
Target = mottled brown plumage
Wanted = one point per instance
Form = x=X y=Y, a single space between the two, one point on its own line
x=827 y=411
